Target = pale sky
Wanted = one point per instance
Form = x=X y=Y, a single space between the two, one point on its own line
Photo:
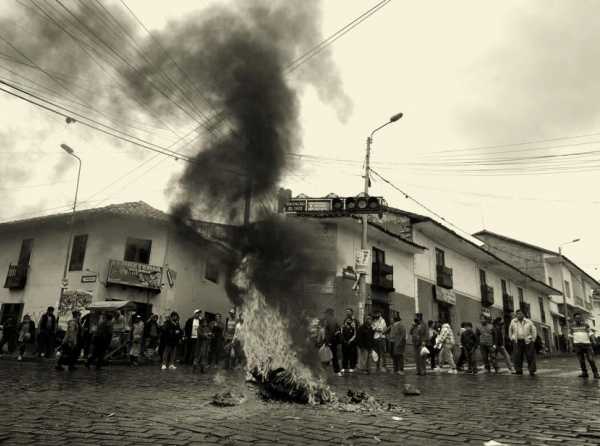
x=465 y=74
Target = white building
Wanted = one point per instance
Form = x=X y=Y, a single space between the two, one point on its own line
x=556 y=270
x=129 y=251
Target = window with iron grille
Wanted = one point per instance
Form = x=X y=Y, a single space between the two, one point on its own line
x=567 y=288
x=521 y=297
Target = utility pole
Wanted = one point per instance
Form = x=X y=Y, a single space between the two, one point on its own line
x=564 y=290
x=362 y=304
x=64 y=284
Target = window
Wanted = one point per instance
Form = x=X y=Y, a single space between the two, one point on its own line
x=482 y=277
x=138 y=250
x=378 y=256
x=542 y=312
x=440 y=257
x=212 y=271
x=25 y=254
x=78 y=252
x=503 y=283
x=567 y=288
x=550 y=282
x=521 y=297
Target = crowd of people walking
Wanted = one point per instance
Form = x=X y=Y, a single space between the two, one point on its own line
x=201 y=343
x=204 y=342
x=435 y=345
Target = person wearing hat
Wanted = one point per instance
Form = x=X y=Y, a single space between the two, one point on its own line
x=398 y=341
x=191 y=336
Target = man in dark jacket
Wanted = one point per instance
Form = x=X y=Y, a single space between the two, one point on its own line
x=171 y=335
x=190 y=333
x=419 y=334
x=101 y=341
x=47 y=333
x=9 y=335
x=469 y=342
x=398 y=340
x=332 y=338
x=365 y=343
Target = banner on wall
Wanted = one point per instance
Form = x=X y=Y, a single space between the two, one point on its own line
x=445 y=295
x=72 y=300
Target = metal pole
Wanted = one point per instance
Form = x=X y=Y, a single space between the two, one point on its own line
x=567 y=324
x=71 y=224
x=363 y=243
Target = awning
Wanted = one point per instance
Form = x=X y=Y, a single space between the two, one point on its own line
x=108 y=305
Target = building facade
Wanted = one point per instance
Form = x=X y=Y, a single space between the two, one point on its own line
x=129 y=251
x=576 y=286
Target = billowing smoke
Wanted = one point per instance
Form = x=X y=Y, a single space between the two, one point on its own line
x=226 y=68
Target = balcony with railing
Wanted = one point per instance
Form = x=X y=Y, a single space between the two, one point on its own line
x=444 y=277
x=508 y=303
x=487 y=296
x=16 y=278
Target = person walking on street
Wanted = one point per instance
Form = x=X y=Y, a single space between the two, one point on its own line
x=365 y=344
x=398 y=344
x=469 y=342
x=217 y=340
x=171 y=334
x=582 y=343
x=47 y=333
x=101 y=341
x=499 y=346
x=380 y=329
x=445 y=345
x=190 y=336
x=136 y=340
x=26 y=336
x=203 y=344
x=522 y=333
x=431 y=343
x=349 y=349
x=69 y=347
x=462 y=357
x=333 y=334
x=486 y=343
x=9 y=335
x=152 y=333
x=419 y=336
x=228 y=334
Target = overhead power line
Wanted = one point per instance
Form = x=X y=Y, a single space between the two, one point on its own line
x=428 y=209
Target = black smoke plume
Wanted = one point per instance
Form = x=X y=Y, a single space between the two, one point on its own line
x=224 y=68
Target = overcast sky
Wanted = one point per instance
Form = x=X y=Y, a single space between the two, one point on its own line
x=465 y=74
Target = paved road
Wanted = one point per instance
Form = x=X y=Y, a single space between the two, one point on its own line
x=122 y=405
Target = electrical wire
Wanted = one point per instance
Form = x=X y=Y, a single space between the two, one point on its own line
x=428 y=209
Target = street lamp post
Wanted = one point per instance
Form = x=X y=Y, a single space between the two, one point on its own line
x=363 y=244
x=71 y=152
x=564 y=290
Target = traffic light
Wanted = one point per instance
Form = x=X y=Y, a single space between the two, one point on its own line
x=332 y=204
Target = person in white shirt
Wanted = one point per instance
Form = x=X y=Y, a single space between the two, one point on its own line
x=522 y=333
x=379 y=336
x=582 y=343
